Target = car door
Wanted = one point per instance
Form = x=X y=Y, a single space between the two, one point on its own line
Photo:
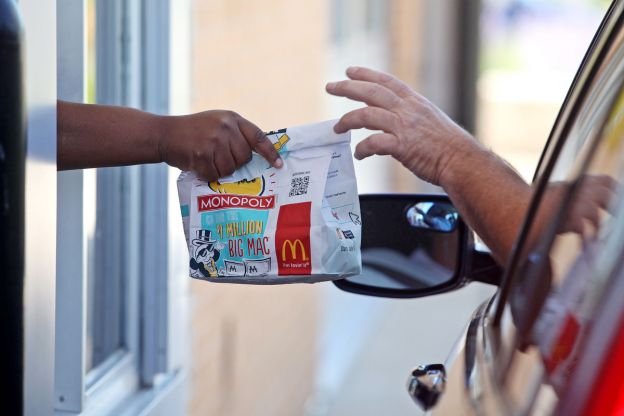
x=567 y=258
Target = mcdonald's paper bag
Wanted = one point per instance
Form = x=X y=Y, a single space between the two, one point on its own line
x=262 y=225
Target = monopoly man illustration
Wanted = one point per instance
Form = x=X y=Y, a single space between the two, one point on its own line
x=207 y=251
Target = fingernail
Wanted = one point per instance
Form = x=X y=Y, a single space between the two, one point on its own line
x=330 y=85
x=279 y=163
x=352 y=69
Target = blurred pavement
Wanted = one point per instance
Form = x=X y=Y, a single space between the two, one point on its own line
x=404 y=334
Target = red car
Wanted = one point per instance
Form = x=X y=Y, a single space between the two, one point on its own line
x=551 y=340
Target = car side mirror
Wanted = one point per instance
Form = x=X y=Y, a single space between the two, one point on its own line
x=416 y=245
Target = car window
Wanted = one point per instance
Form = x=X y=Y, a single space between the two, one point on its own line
x=572 y=244
x=581 y=258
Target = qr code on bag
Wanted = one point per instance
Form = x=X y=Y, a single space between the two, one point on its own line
x=299 y=186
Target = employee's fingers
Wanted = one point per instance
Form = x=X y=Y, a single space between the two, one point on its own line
x=377 y=144
x=366 y=74
x=232 y=153
x=368 y=92
x=372 y=118
x=240 y=150
x=259 y=142
x=206 y=169
x=225 y=163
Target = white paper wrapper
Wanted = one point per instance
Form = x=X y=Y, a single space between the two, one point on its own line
x=263 y=225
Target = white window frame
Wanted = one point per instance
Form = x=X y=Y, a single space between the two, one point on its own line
x=144 y=377
x=39 y=53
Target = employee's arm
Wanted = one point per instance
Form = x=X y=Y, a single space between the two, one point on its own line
x=212 y=143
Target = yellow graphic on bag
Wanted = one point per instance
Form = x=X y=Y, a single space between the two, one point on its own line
x=253 y=186
x=283 y=139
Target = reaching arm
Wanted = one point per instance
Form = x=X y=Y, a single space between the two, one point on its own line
x=212 y=143
x=491 y=197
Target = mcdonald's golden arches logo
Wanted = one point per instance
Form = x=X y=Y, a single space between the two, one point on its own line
x=293 y=250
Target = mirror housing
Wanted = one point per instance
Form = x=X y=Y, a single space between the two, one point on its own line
x=414 y=246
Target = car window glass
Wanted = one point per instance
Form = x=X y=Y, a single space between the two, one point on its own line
x=582 y=255
x=576 y=267
x=595 y=105
x=572 y=243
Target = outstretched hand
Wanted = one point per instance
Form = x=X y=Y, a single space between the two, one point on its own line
x=490 y=196
x=414 y=131
x=214 y=143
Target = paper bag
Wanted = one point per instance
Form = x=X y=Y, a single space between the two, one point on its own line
x=262 y=225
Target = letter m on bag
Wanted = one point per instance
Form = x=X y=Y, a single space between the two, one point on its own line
x=292 y=240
